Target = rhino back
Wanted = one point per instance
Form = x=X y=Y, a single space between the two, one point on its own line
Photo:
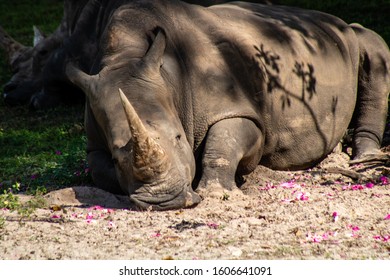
x=293 y=72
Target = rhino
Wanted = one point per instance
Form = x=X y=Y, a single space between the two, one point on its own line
x=28 y=64
x=181 y=99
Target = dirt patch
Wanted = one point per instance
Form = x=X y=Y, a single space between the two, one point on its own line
x=313 y=214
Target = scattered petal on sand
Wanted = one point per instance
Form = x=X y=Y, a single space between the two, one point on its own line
x=354 y=228
x=354 y=231
x=289 y=185
x=156 y=234
x=212 y=225
x=357 y=187
x=89 y=218
x=302 y=196
x=335 y=216
x=384 y=180
x=89 y=215
x=317 y=238
x=383 y=238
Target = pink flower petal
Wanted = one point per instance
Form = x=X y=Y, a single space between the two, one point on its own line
x=369 y=185
x=89 y=216
x=267 y=187
x=335 y=216
x=354 y=228
x=156 y=234
x=384 y=180
x=317 y=238
x=289 y=185
x=387 y=217
x=377 y=237
x=212 y=225
x=302 y=196
x=56 y=217
x=357 y=187
x=383 y=238
x=325 y=236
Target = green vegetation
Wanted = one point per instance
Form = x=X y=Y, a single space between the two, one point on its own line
x=10 y=201
x=44 y=150
x=40 y=150
x=372 y=14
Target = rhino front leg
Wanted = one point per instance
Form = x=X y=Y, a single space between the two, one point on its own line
x=103 y=171
x=373 y=91
x=233 y=147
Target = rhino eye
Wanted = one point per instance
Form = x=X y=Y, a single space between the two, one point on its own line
x=43 y=52
x=14 y=69
x=178 y=144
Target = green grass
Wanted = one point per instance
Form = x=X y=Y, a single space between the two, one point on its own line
x=372 y=14
x=38 y=150
x=42 y=149
x=45 y=150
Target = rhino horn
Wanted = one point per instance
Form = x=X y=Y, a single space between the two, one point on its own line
x=38 y=36
x=149 y=158
x=10 y=45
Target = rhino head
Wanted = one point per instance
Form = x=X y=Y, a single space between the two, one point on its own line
x=134 y=106
x=27 y=63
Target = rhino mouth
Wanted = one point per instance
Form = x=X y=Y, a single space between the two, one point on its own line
x=15 y=95
x=183 y=198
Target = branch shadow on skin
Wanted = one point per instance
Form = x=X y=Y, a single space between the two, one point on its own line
x=268 y=66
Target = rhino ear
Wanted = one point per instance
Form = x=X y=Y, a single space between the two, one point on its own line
x=38 y=36
x=10 y=45
x=85 y=82
x=155 y=53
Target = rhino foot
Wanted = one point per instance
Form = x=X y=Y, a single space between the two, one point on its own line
x=214 y=189
x=370 y=157
x=367 y=150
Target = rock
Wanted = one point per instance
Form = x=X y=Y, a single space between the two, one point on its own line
x=86 y=196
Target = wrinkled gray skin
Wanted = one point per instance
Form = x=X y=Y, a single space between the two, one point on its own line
x=181 y=97
x=33 y=81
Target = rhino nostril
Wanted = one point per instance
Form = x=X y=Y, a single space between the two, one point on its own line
x=8 y=88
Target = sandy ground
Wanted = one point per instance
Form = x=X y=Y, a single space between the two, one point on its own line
x=313 y=214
